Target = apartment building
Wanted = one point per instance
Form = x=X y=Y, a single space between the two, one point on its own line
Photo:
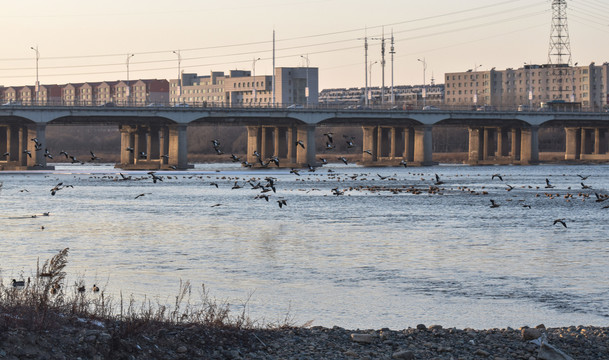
x=240 y=88
x=529 y=86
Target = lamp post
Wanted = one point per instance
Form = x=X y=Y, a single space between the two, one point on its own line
x=530 y=88
x=129 y=56
x=254 y=78
x=177 y=52
x=423 y=93
x=306 y=57
x=369 y=95
x=476 y=85
x=37 y=86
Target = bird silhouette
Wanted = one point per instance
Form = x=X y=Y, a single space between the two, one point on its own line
x=299 y=142
x=560 y=221
x=234 y=158
x=343 y=159
x=282 y=203
x=404 y=163
x=583 y=177
x=95 y=288
x=154 y=177
x=329 y=136
x=93 y=157
x=324 y=161
x=496 y=176
x=494 y=204
x=18 y=284
x=548 y=185
x=142 y=194
x=369 y=152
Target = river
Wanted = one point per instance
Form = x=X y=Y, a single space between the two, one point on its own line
x=385 y=253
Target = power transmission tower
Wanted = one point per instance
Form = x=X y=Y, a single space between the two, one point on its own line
x=559 y=37
x=559 y=53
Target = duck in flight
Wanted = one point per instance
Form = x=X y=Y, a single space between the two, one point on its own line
x=560 y=221
x=299 y=142
x=494 y=204
x=548 y=185
x=496 y=176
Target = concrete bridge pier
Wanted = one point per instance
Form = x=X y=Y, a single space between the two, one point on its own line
x=389 y=145
x=281 y=142
x=500 y=145
x=152 y=147
x=529 y=145
x=422 y=145
x=585 y=143
x=306 y=156
x=19 y=151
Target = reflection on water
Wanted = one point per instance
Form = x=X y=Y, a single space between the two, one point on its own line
x=378 y=256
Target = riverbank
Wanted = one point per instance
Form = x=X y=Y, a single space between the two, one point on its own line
x=93 y=339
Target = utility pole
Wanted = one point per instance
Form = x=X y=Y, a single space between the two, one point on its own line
x=383 y=67
x=365 y=38
x=392 y=52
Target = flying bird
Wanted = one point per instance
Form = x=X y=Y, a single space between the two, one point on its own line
x=494 y=204
x=560 y=221
x=142 y=194
x=343 y=159
x=329 y=136
x=548 y=185
x=282 y=202
x=496 y=176
x=299 y=142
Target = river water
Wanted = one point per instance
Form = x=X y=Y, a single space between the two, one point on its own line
x=376 y=256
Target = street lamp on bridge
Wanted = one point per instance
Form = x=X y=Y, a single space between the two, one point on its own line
x=369 y=94
x=306 y=57
x=423 y=93
x=37 y=86
x=254 y=79
x=129 y=56
x=177 y=52
x=476 y=85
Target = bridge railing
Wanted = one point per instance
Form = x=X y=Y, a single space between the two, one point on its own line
x=291 y=107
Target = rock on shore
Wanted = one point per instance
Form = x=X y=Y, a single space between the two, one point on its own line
x=94 y=340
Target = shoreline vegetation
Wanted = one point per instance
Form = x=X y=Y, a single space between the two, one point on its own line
x=42 y=317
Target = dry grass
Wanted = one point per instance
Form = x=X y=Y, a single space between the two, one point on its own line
x=44 y=302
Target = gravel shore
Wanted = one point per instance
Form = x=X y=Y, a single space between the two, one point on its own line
x=80 y=339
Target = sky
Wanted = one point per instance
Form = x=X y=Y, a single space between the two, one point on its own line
x=80 y=41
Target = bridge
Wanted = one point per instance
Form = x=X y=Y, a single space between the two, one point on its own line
x=154 y=137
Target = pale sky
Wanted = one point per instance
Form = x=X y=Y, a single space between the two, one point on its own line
x=81 y=41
